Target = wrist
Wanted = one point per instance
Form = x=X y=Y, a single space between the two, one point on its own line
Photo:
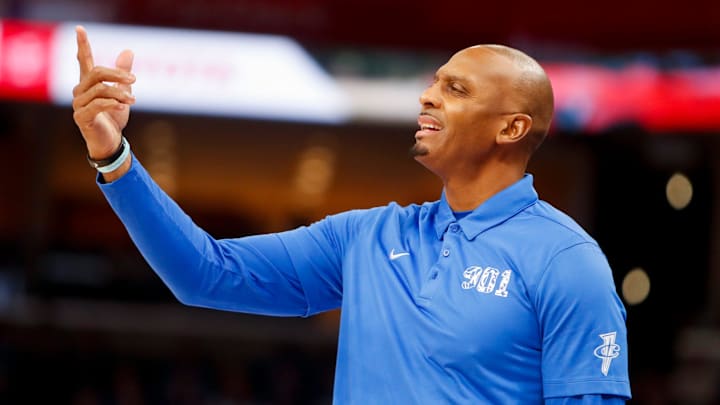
x=117 y=174
x=114 y=161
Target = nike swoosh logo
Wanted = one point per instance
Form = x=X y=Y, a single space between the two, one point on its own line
x=394 y=255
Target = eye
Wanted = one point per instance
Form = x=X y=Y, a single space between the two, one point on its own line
x=456 y=88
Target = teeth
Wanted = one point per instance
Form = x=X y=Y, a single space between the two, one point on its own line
x=429 y=126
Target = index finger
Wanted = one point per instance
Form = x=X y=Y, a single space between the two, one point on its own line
x=84 y=53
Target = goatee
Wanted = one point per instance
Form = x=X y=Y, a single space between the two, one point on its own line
x=417 y=150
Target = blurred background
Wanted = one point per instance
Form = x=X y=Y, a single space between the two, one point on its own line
x=259 y=116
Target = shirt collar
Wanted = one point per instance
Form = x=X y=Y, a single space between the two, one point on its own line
x=495 y=210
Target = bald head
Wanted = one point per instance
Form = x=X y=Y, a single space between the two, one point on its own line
x=532 y=92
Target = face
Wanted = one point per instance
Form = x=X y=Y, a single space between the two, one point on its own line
x=462 y=112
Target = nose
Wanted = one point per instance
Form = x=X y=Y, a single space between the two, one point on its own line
x=429 y=97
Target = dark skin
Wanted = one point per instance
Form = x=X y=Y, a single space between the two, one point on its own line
x=488 y=112
x=488 y=109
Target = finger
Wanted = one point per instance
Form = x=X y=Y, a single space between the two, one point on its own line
x=86 y=115
x=84 y=53
x=101 y=74
x=124 y=62
x=101 y=90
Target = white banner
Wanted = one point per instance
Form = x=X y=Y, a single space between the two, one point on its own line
x=201 y=72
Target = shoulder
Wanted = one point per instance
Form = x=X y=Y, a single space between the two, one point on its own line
x=381 y=216
x=553 y=226
x=572 y=257
x=541 y=237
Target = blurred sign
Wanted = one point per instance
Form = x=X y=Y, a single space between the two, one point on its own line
x=594 y=98
x=272 y=77
x=259 y=76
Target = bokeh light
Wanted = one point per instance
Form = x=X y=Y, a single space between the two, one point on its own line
x=679 y=191
x=636 y=286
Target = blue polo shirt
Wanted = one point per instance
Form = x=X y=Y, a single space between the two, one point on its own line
x=513 y=303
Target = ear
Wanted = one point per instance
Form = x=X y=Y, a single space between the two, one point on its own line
x=516 y=127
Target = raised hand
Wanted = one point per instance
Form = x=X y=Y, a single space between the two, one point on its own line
x=102 y=99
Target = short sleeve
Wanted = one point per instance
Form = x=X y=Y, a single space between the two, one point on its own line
x=584 y=343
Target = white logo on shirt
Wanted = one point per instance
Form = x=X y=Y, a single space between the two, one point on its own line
x=608 y=351
x=484 y=280
x=394 y=255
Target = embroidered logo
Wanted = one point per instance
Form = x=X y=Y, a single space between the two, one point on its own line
x=485 y=280
x=394 y=255
x=607 y=351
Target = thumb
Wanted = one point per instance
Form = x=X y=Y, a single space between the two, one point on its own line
x=124 y=62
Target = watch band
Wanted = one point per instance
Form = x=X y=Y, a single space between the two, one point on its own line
x=114 y=161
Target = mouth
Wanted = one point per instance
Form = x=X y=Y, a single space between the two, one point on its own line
x=428 y=125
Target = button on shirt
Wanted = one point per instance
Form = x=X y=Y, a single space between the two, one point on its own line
x=510 y=304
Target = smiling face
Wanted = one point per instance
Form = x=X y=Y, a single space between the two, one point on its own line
x=472 y=101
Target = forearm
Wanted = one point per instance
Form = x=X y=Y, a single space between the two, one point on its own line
x=228 y=274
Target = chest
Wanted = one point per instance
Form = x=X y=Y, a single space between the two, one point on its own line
x=458 y=299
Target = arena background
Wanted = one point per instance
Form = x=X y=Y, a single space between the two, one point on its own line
x=633 y=155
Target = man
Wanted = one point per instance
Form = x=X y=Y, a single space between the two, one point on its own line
x=488 y=295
